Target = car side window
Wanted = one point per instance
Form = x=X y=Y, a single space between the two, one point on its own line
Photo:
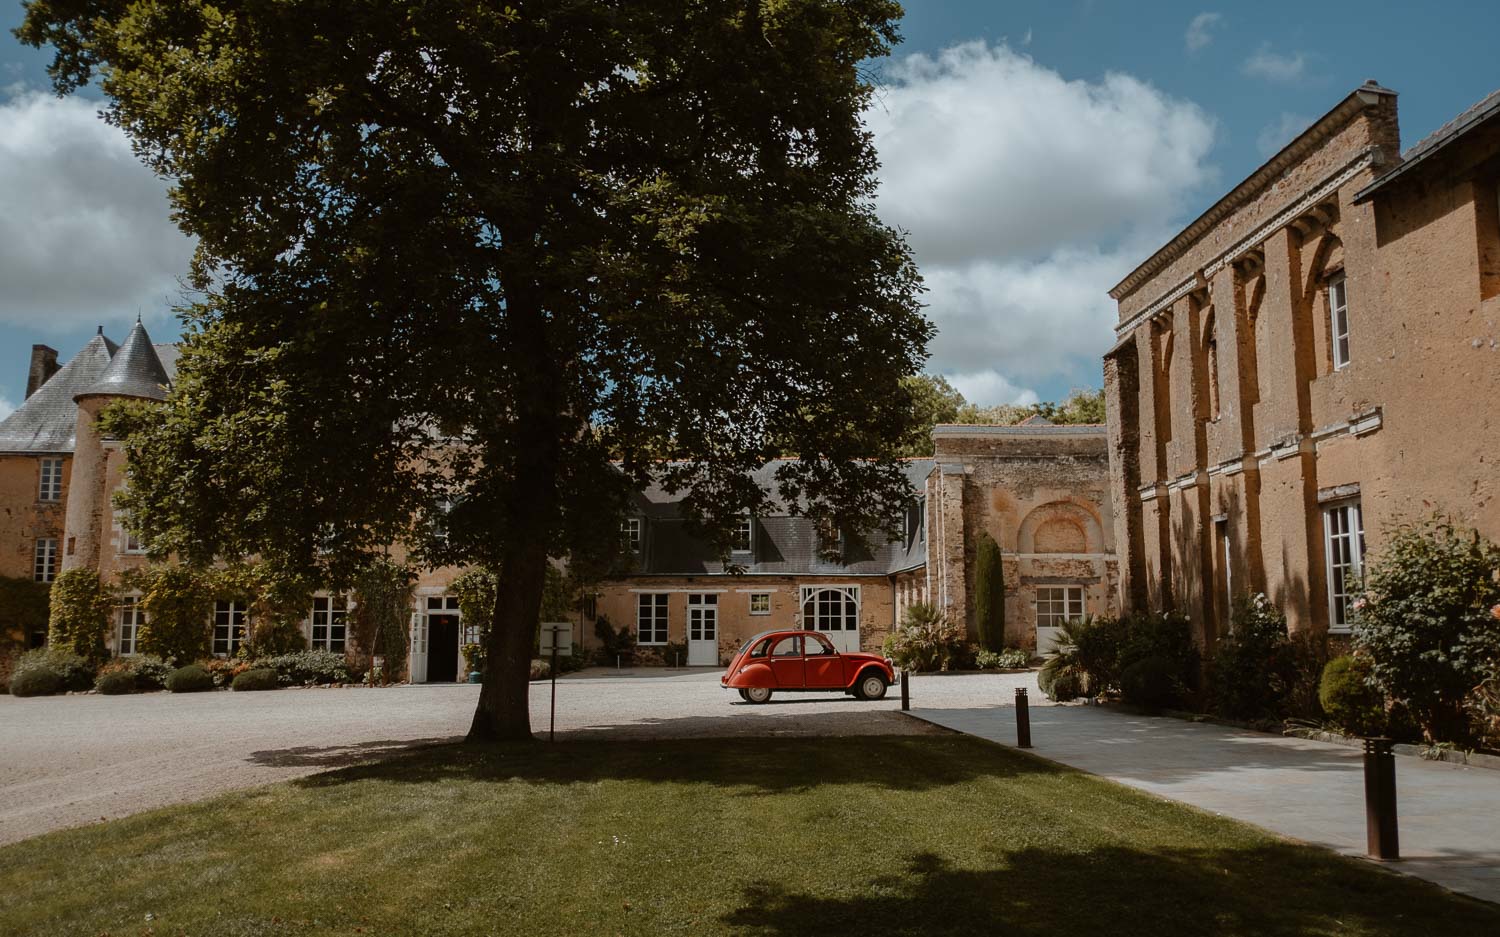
x=817 y=647
x=760 y=649
x=788 y=647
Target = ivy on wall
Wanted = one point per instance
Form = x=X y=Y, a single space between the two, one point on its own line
x=23 y=610
x=79 y=617
x=382 y=609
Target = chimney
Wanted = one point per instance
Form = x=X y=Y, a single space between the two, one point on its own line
x=43 y=366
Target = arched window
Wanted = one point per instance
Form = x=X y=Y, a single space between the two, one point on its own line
x=830 y=608
x=1211 y=353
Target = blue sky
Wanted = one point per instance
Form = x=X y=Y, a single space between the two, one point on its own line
x=1035 y=151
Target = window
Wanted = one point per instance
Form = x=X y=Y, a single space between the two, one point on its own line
x=1338 y=319
x=130 y=625
x=788 y=647
x=743 y=536
x=229 y=627
x=1211 y=353
x=760 y=603
x=51 y=482
x=818 y=646
x=329 y=628
x=1344 y=532
x=44 y=567
x=129 y=542
x=440 y=521
x=651 y=618
x=830 y=609
x=630 y=532
x=1058 y=604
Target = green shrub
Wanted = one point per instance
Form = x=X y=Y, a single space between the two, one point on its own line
x=308 y=667
x=925 y=641
x=1153 y=681
x=278 y=636
x=150 y=671
x=1095 y=645
x=178 y=602
x=989 y=594
x=1254 y=667
x=613 y=645
x=35 y=678
x=1060 y=680
x=1426 y=621
x=1350 y=698
x=116 y=682
x=73 y=671
x=260 y=678
x=190 y=679
x=79 y=618
x=1164 y=635
x=1012 y=658
x=473 y=657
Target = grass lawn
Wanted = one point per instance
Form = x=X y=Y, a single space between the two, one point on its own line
x=870 y=836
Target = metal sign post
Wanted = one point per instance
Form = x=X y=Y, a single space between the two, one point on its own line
x=554 y=635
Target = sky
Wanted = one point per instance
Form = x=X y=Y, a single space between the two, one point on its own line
x=1033 y=152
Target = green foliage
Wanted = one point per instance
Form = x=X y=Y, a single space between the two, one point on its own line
x=79 y=620
x=23 y=610
x=674 y=653
x=1011 y=658
x=307 y=668
x=116 y=682
x=1164 y=635
x=1426 y=621
x=178 y=603
x=925 y=641
x=614 y=645
x=259 y=678
x=932 y=401
x=1350 y=697
x=1095 y=645
x=476 y=590
x=989 y=594
x=1254 y=667
x=274 y=637
x=1153 y=681
x=72 y=671
x=150 y=672
x=190 y=679
x=381 y=614
x=1082 y=406
x=473 y=658
x=1061 y=679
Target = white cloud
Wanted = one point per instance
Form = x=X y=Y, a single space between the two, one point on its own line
x=84 y=225
x=6 y=408
x=1275 y=66
x=1200 y=32
x=1279 y=133
x=1027 y=196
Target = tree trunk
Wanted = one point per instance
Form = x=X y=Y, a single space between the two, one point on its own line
x=504 y=710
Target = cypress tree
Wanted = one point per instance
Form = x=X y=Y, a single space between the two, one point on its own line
x=989 y=594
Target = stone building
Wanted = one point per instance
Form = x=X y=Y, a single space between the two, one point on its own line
x=1039 y=490
x=1311 y=361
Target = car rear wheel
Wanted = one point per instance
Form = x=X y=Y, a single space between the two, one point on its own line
x=871 y=686
x=758 y=694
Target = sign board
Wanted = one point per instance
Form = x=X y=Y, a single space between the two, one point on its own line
x=555 y=634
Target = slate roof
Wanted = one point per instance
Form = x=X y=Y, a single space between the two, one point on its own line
x=134 y=371
x=782 y=544
x=45 y=422
x=1434 y=142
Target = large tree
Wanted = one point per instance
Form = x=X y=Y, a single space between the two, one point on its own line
x=454 y=254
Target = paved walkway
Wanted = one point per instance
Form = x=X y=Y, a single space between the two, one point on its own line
x=1310 y=791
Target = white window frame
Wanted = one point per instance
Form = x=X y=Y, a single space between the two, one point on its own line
x=756 y=597
x=630 y=530
x=823 y=615
x=1344 y=558
x=130 y=544
x=128 y=635
x=44 y=560
x=49 y=480
x=1338 y=320
x=652 y=617
x=746 y=526
x=1054 y=606
x=330 y=613
x=235 y=628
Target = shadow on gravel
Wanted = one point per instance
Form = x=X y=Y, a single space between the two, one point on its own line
x=764 y=765
x=343 y=756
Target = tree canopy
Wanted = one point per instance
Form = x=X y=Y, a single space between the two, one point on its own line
x=935 y=400
x=453 y=255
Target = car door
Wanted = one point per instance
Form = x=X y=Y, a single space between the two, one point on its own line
x=822 y=667
x=786 y=663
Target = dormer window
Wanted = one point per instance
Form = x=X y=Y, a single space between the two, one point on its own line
x=742 y=538
x=630 y=532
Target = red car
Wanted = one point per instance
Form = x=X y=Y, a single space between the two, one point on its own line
x=801 y=661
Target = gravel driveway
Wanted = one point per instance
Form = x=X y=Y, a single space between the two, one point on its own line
x=72 y=760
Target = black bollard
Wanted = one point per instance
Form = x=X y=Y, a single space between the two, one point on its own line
x=1023 y=719
x=1380 y=801
x=905 y=691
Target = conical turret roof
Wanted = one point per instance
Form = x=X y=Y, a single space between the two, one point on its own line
x=134 y=371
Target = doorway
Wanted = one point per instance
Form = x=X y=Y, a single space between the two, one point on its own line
x=442 y=648
x=703 y=630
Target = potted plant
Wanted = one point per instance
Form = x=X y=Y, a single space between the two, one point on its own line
x=474 y=660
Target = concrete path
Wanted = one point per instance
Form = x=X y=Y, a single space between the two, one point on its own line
x=1310 y=791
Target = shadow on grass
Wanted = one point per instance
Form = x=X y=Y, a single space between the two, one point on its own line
x=907 y=763
x=1273 y=889
x=341 y=756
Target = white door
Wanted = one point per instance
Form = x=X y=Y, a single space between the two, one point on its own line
x=834 y=611
x=418 y=647
x=703 y=630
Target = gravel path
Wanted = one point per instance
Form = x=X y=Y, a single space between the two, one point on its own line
x=72 y=760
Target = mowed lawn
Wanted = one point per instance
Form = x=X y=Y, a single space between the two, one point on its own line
x=877 y=835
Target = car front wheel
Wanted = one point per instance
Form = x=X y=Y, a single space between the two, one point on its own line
x=757 y=694
x=744 y=696
x=871 y=686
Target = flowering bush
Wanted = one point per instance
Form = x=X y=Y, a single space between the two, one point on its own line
x=1012 y=658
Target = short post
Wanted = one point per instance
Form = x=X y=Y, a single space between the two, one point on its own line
x=905 y=691
x=1380 y=801
x=552 y=720
x=1023 y=719
x=617 y=661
